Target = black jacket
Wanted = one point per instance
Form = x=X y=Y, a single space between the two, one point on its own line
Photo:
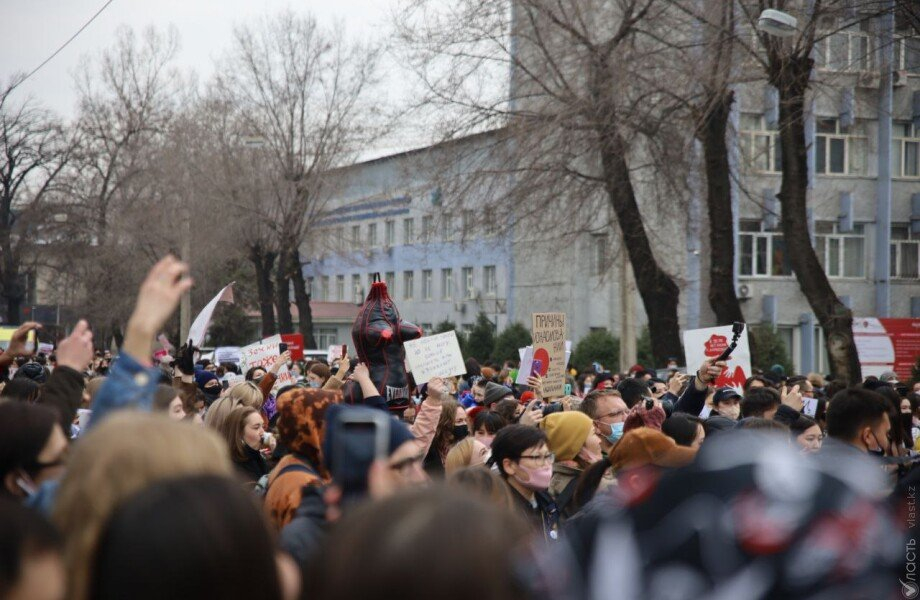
x=254 y=467
x=303 y=536
x=544 y=517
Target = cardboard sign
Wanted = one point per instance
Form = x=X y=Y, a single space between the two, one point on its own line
x=434 y=356
x=700 y=344
x=526 y=367
x=227 y=354
x=232 y=379
x=199 y=327
x=549 y=333
x=294 y=343
x=258 y=355
x=887 y=345
x=334 y=353
x=284 y=379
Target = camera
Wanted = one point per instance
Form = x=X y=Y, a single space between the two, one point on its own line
x=552 y=407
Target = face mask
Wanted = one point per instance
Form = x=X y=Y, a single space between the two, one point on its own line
x=616 y=432
x=485 y=440
x=537 y=479
x=313 y=384
x=732 y=412
x=878 y=451
x=460 y=432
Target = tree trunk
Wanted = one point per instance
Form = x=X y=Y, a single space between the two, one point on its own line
x=658 y=291
x=283 y=293
x=11 y=280
x=263 y=262
x=712 y=133
x=302 y=299
x=790 y=76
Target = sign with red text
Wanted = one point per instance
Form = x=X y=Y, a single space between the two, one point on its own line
x=549 y=332
x=709 y=342
x=258 y=355
x=887 y=345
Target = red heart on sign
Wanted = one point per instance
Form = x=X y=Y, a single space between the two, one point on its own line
x=543 y=356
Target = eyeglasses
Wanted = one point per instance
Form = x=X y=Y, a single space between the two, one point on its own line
x=406 y=464
x=615 y=414
x=541 y=459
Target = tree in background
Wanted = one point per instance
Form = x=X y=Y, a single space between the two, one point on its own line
x=448 y=325
x=507 y=343
x=598 y=346
x=480 y=343
x=768 y=349
x=231 y=326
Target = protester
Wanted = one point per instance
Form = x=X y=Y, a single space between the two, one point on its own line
x=469 y=452
x=245 y=434
x=570 y=437
x=485 y=425
x=726 y=403
x=857 y=421
x=760 y=402
x=608 y=412
x=684 y=429
x=33 y=448
x=167 y=400
x=245 y=393
x=807 y=434
x=452 y=428
x=31 y=562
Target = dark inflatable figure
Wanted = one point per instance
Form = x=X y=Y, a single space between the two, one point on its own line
x=378 y=335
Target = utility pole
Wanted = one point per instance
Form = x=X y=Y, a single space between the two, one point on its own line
x=185 y=305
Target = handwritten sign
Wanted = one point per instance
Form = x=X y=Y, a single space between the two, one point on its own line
x=285 y=378
x=700 y=344
x=227 y=354
x=549 y=332
x=434 y=356
x=258 y=355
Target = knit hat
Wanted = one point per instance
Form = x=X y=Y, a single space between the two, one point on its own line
x=644 y=446
x=399 y=433
x=202 y=378
x=566 y=433
x=302 y=416
x=33 y=371
x=889 y=377
x=495 y=392
x=640 y=417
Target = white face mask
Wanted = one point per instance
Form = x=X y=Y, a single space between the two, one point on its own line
x=732 y=411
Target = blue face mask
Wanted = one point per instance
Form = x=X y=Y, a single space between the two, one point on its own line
x=313 y=384
x=616 y=432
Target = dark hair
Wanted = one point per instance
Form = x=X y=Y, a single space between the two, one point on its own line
x=24 y=533
x=833 y=386
x=758 y=401
x=588 y=483
x=252 y=370
x=472 y=369
x=189 y=549
x=506 y=409
x=632 y=390
x=491 y=421
x=801 y=425
x=474 y=541
x=914 y=399
x=762 y=424
x=163 y=397
x=24 y=431
x=320 y=370
x=682 y=428
x=589 y=404
x=512 y=441
x=21 y=389
x=230 y=368
x=752 y=379
x=893 y=404
x=851 y=410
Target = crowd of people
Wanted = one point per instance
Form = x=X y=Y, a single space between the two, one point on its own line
x=125 y=478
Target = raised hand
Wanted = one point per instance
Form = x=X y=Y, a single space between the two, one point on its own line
x=76 y=350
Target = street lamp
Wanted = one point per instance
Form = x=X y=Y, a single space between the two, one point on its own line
x=777 y=23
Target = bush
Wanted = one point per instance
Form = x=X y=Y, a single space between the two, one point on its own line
x=481 y=341
x=644 y=355
x=445 y=326
x=230 y=326
x=768 y=349
x=508 y=341
x=598 y=346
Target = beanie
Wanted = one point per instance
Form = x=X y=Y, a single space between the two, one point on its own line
x=495 y=392
x=566 y=433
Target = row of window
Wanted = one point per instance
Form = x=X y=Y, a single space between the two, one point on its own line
x=764 y=253
x=838 y=150
x=321 y=289
x=375 y=234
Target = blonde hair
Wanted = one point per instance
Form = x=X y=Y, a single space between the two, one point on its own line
x=122 y=456
x=461 y=455
x=245 y=393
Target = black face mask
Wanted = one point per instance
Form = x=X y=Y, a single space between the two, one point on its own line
x=460 y=432
x=907 y=420
x=879 y=450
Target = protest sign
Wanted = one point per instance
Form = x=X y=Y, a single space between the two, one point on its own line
x=887 y=345
x=700 y=344
x=294 y=343
x=334 y=353
x=549 y=331
x=526 y=368
x=199 y=327
x=284 y=379
x=258 y=355
x=434 y=356
x=227 y=354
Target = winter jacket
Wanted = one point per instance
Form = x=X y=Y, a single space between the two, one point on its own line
x=284 y=490
x=544 y=517
x=562 y=487
x=303 y=536
x=254 y=467
x=692 y=400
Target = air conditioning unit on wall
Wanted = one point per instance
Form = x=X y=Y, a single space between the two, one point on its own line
x=745 y=291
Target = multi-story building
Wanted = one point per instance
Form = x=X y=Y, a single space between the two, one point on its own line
x=389 y=218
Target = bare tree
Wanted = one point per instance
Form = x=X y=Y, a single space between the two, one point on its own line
x=303 y=92
x=34 y=150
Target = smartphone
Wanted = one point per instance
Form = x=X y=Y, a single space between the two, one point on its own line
x=359 y=439
x=282 y=348
x=537 y=367
x=224 y=384
x=344 y=350
x=568 y=389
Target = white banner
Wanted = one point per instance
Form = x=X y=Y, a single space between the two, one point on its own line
x=434 y=356
x=700 y=344
x=200 y=325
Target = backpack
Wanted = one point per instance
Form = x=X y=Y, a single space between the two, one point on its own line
x=261 y=487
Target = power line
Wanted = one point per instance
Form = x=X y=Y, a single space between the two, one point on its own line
x=64 y=45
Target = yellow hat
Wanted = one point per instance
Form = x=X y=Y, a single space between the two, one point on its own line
x=566 y=433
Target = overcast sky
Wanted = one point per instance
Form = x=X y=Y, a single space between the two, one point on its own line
x=33 y=29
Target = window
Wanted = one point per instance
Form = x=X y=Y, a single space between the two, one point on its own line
x=340 y=288
x=356 y=295
x=389 y=234
x=905 y=151
x=325 y=337
x=844 y=50
x=447 y=284
x=447 y=226
x=469 y=291
x=390 y=278
x=905 y=253
x=311 y=287
x=469 y=218
x=490 y=283
x=760 y=146
x=841 y=254
x=763 y=253
x=355 y=236
x=339 y=242
x=324 y=288
x=907 y=54
x=408 y=284
x=426 y=284
x=839 y=151
x=490 y=225
x=371 y=235
x=408 y=231
x=599 y=258
x=427 y=227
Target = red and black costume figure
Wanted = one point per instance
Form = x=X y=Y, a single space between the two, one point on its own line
x=378 y=336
